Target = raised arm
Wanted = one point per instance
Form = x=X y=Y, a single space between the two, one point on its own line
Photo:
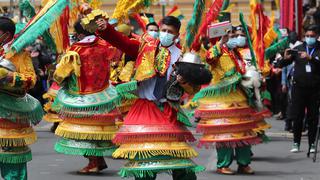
x=118 y=40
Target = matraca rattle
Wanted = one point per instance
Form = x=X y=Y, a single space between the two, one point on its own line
x=90 y=16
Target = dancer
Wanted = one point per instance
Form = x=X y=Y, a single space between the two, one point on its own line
x=86 y=102
x=18 y=110
x=153 y=136
x=226 y=117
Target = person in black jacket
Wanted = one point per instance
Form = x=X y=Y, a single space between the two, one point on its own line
x=306 y=86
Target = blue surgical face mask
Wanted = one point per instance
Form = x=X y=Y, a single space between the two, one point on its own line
x=166 y=39
x=232 y=43
x=310 y=41
x=242 y=41
x=154 y=34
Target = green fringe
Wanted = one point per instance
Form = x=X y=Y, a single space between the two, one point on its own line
x=83 y=151
x=195 y=21
x=15 y=158
x=39 y=27
x=127 y=87
x=224 y=87
x=275 y=48
x=19 y=27
x=147 y=3
x=27 y=9
x=264 y=137
x=182 y=115
x=90 y=110
x=67 y=104
x=22 y=110
x=125 y=172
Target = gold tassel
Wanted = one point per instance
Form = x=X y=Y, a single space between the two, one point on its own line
x=148 y=150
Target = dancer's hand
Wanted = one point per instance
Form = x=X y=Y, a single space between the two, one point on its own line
x=102 y=24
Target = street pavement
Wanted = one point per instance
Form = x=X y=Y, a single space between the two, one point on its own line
x=271 y=161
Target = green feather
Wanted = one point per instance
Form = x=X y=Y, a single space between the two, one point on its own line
x=275 y=48
x=195 y=21
x=244 y=25
x=27 y=9
x=225 y=5
x=37 y=28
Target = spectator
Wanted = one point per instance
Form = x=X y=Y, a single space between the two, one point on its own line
x=306 y=82
x=286 y=80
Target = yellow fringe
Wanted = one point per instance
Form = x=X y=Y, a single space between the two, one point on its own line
x=52 y=118
x=86 y=132
x=148 y=150
x=263 y=125
x=127 y=72
x=123 y=7
x=18 y=141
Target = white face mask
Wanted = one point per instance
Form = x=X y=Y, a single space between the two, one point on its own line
x=241 y=40
x=232 y=43
x=166 y=39
x=154 y=34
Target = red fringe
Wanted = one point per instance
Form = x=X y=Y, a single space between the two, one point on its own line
x=225 y=113
x=122 y=138
x=97 y=117
x=216 y=129
x=230 y=143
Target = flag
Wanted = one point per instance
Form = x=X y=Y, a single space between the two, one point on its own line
x=40 y=23
x=175 y=11
x=263 y=33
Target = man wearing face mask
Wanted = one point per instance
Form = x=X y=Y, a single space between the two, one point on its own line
x=153 y=30
x=305 y=88
x=153 y=135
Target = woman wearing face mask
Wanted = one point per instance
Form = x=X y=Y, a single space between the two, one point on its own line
x=226 y=117
x=306 y=86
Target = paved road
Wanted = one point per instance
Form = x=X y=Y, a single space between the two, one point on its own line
x=271 y=161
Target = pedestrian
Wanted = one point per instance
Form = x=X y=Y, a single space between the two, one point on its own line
x=286 y=80
x=306 y=86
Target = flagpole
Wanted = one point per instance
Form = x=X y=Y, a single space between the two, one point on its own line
x=296 y=9
x=163 y=11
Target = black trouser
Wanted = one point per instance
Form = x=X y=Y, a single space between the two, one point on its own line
x=305 y=98
x=283 y=103
x=180 y=174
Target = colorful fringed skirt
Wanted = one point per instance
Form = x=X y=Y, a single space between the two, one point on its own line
x=228 y=121
x=154 y=141
x=88 y=122
x=17 y=115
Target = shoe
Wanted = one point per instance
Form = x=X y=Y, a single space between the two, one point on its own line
x=102 y=164
x=226 y=171
x=277 y=115
x=245 y=170
x=295 y=148
x=312 y=148
x=92 y=167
